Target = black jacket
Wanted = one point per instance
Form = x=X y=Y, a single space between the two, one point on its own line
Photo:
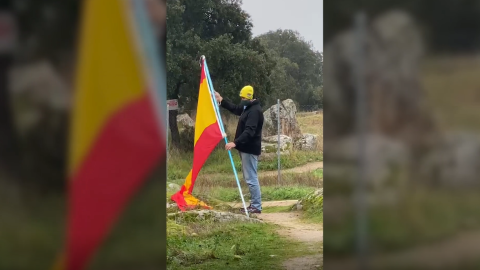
x=248 y=137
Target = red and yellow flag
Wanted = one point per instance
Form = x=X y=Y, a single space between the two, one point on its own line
x=116 y=138
x=207 y=136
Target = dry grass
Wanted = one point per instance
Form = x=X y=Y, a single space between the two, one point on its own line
x=312 y=122
x=452 y=85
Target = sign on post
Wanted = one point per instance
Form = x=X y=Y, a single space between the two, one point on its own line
x=172 y=104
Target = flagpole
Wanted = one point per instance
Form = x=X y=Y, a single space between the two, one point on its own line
x=222 y=128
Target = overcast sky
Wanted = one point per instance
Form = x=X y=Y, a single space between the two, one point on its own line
x=303 y=16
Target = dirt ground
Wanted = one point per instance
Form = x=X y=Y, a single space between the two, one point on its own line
x=309 y=234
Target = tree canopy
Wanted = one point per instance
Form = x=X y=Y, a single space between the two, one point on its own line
x=277 y=64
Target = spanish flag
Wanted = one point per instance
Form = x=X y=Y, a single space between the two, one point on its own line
x=207 y=135
x=116 y=137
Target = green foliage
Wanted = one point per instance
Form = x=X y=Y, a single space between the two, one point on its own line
x=220 y=30
x=443 y=21
x=298 y=70
x=313 y=206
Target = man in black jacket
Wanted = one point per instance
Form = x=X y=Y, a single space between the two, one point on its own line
x=248 y=140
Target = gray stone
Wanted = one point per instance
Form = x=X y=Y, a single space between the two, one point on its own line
x=172 y=187
x=384 y=159
x=270 y=144
x=288 y=120
x=185 y=121
x=210 y=215
x=307 y=142
x=454 y=162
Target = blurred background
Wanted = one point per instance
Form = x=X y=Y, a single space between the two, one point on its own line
x=401 y=108
x=38 y=46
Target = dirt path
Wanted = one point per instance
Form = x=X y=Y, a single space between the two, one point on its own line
x=311 y=235
x=267 y=203
x=301 y=169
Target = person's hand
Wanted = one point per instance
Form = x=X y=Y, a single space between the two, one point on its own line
x=230 y=145
x=218 y=97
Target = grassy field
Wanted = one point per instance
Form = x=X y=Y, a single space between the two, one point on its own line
x=231 y=245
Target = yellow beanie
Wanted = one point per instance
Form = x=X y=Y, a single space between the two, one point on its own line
x=247 y=92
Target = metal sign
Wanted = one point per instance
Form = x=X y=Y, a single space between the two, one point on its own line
x=8 y=32
x=172 y=104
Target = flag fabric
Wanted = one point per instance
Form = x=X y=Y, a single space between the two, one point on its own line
x=207 y=135
x=116 y=139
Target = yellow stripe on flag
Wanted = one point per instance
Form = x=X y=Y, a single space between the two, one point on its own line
x=108 y=78
x=206 y=115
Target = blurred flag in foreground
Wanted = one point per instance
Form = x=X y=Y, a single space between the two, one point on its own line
x=116 y=136
x=207 y=135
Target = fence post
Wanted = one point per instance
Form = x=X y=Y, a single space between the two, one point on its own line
x=359 y=82
x=278 y=139
x=168 y=127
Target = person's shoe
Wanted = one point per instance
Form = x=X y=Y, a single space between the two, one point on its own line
x=243 y=209
x=254 y=210
x=251 y=210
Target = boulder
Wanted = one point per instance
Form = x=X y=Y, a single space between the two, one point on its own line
x=454 y=162
x=307 y=142
x=210 y=215
x=270 y=144
x=385 y=160
x=172 y=188
x=184 y=120
x=288 y=120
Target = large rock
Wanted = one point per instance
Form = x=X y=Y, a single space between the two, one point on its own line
x=185 y=121
x=288 y=120
x=396 y=101
x=385 y=160
x=210 y=215
x=172 y=188
x=307 y=142
x=270 y=144
x=41 y=104
x=38 y=90
x=455 y=162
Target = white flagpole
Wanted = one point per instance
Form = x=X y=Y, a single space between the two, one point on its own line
x=222 y=128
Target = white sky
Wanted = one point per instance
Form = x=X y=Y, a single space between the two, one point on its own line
x=303 y=16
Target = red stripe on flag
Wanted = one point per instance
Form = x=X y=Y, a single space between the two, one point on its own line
x=210 y=137
x=128 y=147
x=207 y=141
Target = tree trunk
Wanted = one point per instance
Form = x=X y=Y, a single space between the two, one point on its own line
x=172 y=122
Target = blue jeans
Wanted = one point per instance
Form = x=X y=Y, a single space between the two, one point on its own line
x=249 y=170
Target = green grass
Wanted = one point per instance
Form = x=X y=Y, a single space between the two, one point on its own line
x=423 y=217
x=180 y=163
x=229 y=246
x=30 y=233
x=268 y=193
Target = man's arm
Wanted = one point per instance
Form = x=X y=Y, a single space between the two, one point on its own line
x=235 y=109
x=250 y=128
